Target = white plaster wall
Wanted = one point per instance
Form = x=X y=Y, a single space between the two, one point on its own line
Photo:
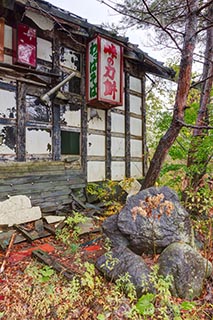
x=73 y=118
x=135 y=104
x=123 y=106
x=135 y=84
x=96 y=119
x=44 y=49
x=118 y=147
x=135 y=126
x=118 y=122
x=135 y=148
x=8 y=32
x=7 y=101
x=37 y=141
x=8 y=59
x=118 y=170
x=136 y=169
x=96 y=145
x=95 y=171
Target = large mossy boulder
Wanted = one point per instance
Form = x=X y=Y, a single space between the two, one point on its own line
x=151 y=220
x=121 y=261
x=187 y=267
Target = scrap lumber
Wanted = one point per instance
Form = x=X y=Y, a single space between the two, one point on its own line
x=8 y=252
x=51 y=262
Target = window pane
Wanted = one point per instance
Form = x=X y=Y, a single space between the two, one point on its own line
x=70 y=142
x=7 y=139
x=37 y=111
x=7 y=104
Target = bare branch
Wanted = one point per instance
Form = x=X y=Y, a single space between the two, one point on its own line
x=187 y=125
x=160 y=25
x=200 y=82
x=206 y=5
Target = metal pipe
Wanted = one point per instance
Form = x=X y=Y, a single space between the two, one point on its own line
x=47 y=96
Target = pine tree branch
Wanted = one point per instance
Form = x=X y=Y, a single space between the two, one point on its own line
x=194 y=126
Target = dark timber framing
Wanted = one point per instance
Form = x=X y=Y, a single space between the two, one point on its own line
x=108 y=144
x=127 y=125
x=21 y=120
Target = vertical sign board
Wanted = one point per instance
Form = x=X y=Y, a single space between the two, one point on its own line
x=1 y=39
x=104 y=73
x=25 y=45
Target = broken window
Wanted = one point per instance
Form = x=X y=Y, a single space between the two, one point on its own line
x=70 y=143
x=74 y=85
x=70 y=59
x=8 y=103
x=7 y=140
x=37 y=111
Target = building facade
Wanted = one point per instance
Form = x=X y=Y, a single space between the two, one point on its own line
x=48 y=147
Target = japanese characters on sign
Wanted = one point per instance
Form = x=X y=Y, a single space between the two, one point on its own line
x=93 y=70
x=25 y=45
x=104 y=73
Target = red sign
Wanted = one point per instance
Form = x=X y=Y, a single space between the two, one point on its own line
x=104 y=73
x=25 y=46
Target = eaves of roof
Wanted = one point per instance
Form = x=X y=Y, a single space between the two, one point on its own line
x=87 y=29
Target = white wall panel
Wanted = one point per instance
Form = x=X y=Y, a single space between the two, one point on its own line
x=136 y=148
x=8 y=59
x=96 y=119
x=118 y=147
x=44 y=49
x=95 y=145
x=135 y=104
x=8 y=43
x=135 y=84
x=118 y=170
x=118 y=122
x=135 y=126
x=72 y=118
x=38 y=141
x=95 y=171
x=136 y=169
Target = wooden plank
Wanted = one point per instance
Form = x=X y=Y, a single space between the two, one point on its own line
x=108 y=144
x=127 y=125
x=51 y=262
x=21 y=118
x=56 y=129
x=144 y=143
x=84 y=124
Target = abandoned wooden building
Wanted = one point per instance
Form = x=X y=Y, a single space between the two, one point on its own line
x=57 y=135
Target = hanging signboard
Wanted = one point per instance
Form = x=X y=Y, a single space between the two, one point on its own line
x=25 y=45
x=104 y=73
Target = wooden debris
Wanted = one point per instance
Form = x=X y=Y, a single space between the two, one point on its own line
x=8 y=252
x=6 y=236
x=51 y=262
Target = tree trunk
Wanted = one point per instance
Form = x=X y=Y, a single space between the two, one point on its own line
x=181 y=96
x=195 y=161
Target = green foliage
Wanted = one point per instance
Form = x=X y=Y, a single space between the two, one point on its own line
x=70 y=233
x=187 y=305
x=102 y=191
x=49 y=295
x=145 y=305
x=160 y=305
x=123 y=284
x=40 y=274
x=109 y=193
